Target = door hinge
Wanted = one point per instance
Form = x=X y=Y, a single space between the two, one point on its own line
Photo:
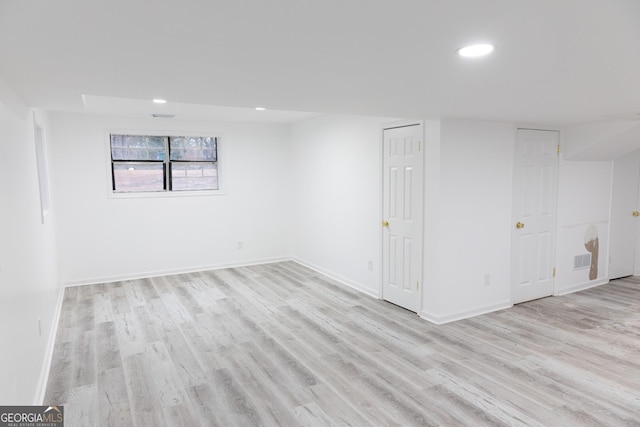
x=419 y=144
x=558 y=149
x=416 y=286
x=554 y=272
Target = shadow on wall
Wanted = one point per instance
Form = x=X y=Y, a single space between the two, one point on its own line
x=591 y=244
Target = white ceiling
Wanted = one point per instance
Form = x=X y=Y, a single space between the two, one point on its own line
x=129 y=107
x=556 y=61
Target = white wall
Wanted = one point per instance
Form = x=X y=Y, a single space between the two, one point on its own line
x=337 y=183
x=471 y=205
x=431 y=249
x=312 y=191
x=103 y=238
x=468 y=173
x=309 y=191
x=29 y=287
x=472 y=193
x=600 y=141
x=584 y=197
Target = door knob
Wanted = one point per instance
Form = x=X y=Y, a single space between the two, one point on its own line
x=519 y=225
x=635 y=213
x=385 y=223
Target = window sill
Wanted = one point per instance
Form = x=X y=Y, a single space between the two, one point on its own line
x=165 y=194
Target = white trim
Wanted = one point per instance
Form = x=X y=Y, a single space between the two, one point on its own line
x=350 y=283
x=165 y=194
x=542 y=128
x=635 y=246
x=582 y=224
x=400 y=124
x=582 y=287
x=440 y=320
x=221 y=152
x=41 y=389
x=148 y=274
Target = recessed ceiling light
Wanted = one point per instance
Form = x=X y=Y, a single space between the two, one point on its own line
x=260 y=108
x=160 y=101
x=475 y=50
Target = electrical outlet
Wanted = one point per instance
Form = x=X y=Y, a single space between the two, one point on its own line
x=240 y=244
x=370 y=265
x=487 y=279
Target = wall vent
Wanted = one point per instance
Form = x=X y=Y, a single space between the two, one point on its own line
x=581 y=262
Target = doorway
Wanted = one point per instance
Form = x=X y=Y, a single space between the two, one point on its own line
x=402 y=206
x=533 y=237
x=624 y=216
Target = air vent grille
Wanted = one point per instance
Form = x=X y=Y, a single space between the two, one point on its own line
x=582 y=261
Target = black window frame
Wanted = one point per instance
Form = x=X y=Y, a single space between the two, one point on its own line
x=166 y=162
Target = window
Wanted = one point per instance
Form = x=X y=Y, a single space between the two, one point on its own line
x=149 y=163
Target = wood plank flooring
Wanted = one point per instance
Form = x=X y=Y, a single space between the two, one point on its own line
x=279 y=344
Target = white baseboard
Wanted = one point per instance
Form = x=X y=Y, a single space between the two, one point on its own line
x=38 y=399
x=440 y=319
x=350 y=283
x=147 y=274
x=581 y=287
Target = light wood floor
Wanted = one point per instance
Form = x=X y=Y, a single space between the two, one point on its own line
x=280 y=344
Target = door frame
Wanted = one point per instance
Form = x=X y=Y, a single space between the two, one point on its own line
x=612 y=238
x=554 y=245
x=383 y=127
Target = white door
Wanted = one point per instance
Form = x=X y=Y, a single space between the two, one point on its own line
x=402 y=210
x=624 y=202
x=534 y=214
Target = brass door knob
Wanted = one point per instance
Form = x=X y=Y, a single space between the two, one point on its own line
x=519 y=225
x=635 y=213
x=385 y=223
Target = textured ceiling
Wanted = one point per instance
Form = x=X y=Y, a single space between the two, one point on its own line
x=556 y=61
